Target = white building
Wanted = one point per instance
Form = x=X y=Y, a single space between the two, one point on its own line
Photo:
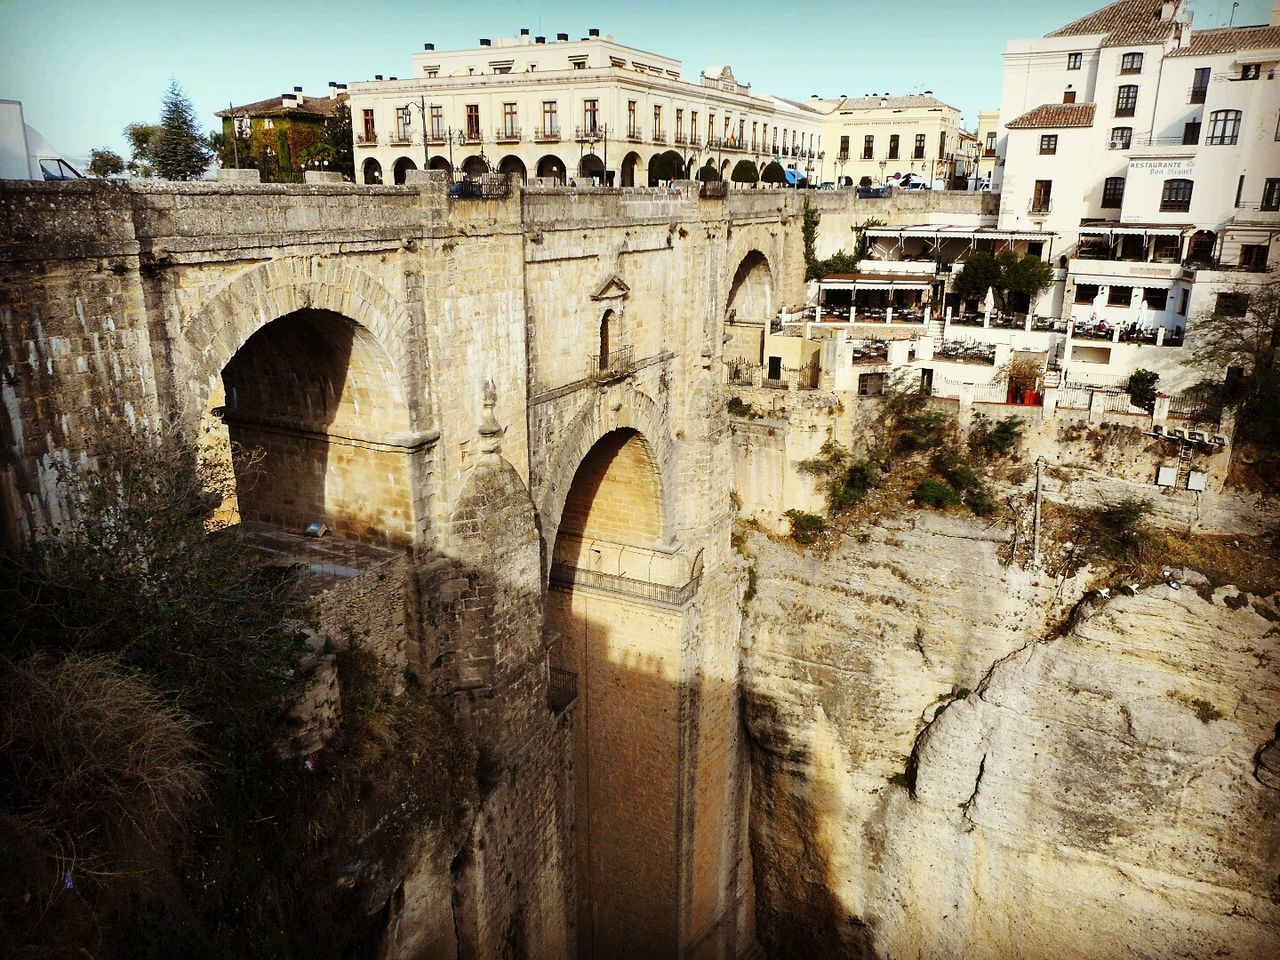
x=589 y=110
x=882 y=137
x=1152 y=151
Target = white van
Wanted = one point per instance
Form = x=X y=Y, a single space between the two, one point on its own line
x=25 y=154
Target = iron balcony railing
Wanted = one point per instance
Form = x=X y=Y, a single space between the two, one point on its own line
x=562 y=689
x=565 y=576
x=472 y=136
x=507 y=134
x=547 y=136
x=400 y=140
x=618 y=362
x=367 y=140
x=588 y=133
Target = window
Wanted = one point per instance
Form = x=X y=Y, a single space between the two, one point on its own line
x=1224 y=128
x=868 y=147
x=1200 y=85
x=871 y=384
x=1239 y=190
x=755 y=129
x=1068 y=96
x=370 y=133
x=679 y=126
x=1085 y=292
x=1074 y=61
x=1113 y=192
x=437 y=122
x=1191 y=133
x=473 y=121
x=991 y=143
x=1121 y=138
x=742 y=132
x=510 y=123
x=1127 y=100
x=404 y=123
x=942 y=145
x=243 y=126
x=1250 y=71
x=893 y=146
x=1176 y=196
x=1119 y=296
x=1253 y=256
x=268 y=124
x=550 y=119
x=1049 y=144
x=657 y=124
x=1157 y=297
x=918 y=153
x=1232 y=305
x=844 y=148
x=1271 y=193
x=1042 y=198
x=590 y=115
x=711 y=130
x=1131 y=63
x=693 y=125
x=632 y=129
x=1183 y=302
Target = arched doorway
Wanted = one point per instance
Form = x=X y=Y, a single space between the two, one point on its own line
x=751 y=291
x=591 y=167
x=371 y=171
x=440 y=163
x=689 y=168
x=606 y=337
x=551 y=168
x=1202 y=247
x=314 y=413
x=629 y=165
x=474 y=167
x=403 y=166
x=724 y=170
x=512 y=164
x=625 y=649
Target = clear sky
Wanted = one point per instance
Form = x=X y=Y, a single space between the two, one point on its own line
x=85 y=68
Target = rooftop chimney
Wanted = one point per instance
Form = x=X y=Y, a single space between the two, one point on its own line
x=428 y=46
x=562 y=36
x=377 y=76
x=524 y=31
x=1275 y=13
x=484 y=42
x=288 y=99
x=539 y=39
x=393 y=78
x=298 y=92
x=1166 y=10
x=333 y=90
x=593 y=32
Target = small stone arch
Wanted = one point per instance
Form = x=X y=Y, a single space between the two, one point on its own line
x=591 y=166
x=621 y=407
x=630 y=164
x=511 y=164
x=474 y=167
x=689 y=167
x=439 y=162
x=371 y=172
x=402 y=166
x=724 y=169
x=551 y=167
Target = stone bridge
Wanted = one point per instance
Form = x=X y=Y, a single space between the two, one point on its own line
x=522 y=396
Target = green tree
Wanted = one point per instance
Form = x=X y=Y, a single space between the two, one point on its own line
x=143 y=139
x=744 y=171
x=105 y=163
x=668 y=165
x=774 y=174
x=181 y=151
x=708 y=172
x=337 y=133
x=1004 y=274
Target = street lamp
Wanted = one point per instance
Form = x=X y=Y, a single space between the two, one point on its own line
x=421 y=105
x=590 y=137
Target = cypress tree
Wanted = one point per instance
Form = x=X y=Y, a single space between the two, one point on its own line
x=181 y=153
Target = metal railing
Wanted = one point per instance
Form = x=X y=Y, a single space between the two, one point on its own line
x=547 y=136
x=507 y=135
x=565 y=576
x=713 y=190
x=562 y=689
x=491 y=186
x=618 y=362
x=370 y=140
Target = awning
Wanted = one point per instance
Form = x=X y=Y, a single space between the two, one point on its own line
x=956 y=233
x=794 y=176
x=876 y=281
x=1133 y=231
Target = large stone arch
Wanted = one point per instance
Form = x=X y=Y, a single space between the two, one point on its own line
x=619 y=408
x=215 y=331
x=752 y=288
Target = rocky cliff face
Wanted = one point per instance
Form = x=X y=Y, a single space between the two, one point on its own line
x=940 y=770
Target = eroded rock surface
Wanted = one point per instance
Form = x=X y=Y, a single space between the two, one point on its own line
x=934 y=778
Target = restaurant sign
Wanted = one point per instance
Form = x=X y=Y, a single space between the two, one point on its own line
x=1179 y=167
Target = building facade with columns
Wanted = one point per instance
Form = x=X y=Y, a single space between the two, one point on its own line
x=590 y=110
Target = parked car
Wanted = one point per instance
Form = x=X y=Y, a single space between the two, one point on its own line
x=872 y=193
x=913 y=185
x=829 y=185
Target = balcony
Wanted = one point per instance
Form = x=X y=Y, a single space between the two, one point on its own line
x=619 y=362
x=695 y=140
x=547 y=136
x=714 y=142
x=1132 y=270
x=564 y=576
x=472 y=136
x=437 y=137
x=681 y=139
x=400 y=140
x=634 y=135
x=367 y=140
x=1040 y=207
x=587 y=133
x=562 y=689
x=988 y=154
x=507 y=135
x=842 y=157
x=1198 y=95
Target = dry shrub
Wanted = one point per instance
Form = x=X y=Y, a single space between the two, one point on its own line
x=100 y=771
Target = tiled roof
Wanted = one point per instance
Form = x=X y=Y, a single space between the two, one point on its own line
x=273 y=107
x=1228 y=40
x=1124 y=22
x=890 y=103
x=1054 y=115
x=794 y=103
